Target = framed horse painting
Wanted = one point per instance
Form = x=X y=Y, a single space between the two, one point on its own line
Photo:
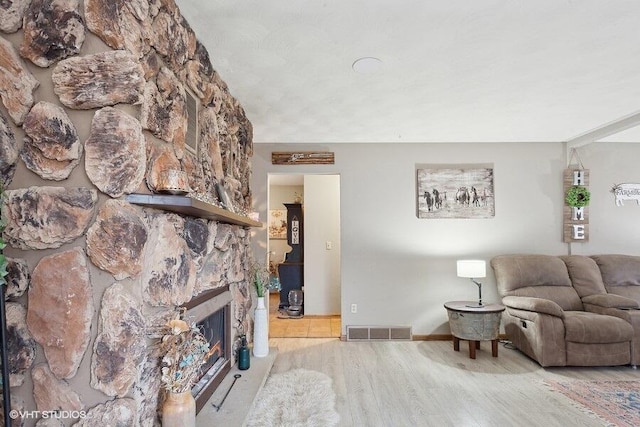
x=455 y=191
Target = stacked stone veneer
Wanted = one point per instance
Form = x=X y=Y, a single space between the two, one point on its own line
x=94 y=108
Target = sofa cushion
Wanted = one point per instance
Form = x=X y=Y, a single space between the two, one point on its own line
x=611 y=301
x=620 y=274
x=585 y=275
x=539 y=276
x=592 y=328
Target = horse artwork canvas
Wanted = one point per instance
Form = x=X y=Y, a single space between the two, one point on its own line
x=455 y=191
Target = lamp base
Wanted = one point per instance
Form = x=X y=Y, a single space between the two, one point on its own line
x=476 y=305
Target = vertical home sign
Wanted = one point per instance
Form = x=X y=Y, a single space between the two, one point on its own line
x=576 y=219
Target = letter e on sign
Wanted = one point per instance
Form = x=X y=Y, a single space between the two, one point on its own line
x=578 y=232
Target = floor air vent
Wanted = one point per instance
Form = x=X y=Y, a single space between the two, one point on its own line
x=379 y=333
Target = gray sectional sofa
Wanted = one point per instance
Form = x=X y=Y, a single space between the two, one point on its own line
x=572 y=310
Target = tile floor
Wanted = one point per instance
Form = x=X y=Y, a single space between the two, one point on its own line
x=305 y=327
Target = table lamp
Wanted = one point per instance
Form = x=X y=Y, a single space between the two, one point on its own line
x=473 y=269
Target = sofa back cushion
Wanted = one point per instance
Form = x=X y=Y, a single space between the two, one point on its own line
x=620 y=274
x=585 y=275
x=540 y=276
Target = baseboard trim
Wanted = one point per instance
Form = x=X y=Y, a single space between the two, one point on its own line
x=431 y=337
x=321 y=316
x=443 y=337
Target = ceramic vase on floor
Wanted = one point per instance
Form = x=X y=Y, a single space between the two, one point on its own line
x=179 y=410
x=260 y=330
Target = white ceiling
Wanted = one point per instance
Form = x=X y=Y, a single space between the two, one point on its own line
x=452 y=70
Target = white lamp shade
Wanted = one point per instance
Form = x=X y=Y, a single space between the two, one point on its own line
x=472 y=268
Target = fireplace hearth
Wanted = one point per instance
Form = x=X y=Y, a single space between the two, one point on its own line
x=211 y=311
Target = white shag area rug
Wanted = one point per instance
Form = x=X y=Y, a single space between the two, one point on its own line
x=300 y=398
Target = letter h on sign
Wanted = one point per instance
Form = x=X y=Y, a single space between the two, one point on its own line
x=578 y=177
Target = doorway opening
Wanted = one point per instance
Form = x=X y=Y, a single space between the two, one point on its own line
x=318 y=253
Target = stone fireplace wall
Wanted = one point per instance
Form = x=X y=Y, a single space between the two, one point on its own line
x=94 y=108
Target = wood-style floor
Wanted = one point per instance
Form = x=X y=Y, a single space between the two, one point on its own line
x=426 y=383
x=305 y=327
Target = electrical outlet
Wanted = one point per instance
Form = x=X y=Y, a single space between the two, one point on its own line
x=354 y=308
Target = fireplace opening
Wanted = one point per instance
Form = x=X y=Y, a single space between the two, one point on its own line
x=211 y=312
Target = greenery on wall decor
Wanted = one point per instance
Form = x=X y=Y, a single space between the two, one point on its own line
x=577 y=196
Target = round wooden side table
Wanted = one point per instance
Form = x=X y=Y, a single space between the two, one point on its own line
x=474 y=324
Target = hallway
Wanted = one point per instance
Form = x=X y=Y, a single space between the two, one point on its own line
x=305 y=327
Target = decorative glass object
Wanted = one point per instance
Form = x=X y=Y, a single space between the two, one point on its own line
x=243 y=354
x=296 y=297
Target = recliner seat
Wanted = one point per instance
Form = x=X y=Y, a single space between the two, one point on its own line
x=545 y=317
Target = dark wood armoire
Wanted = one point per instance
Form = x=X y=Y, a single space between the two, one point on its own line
x=291 y=271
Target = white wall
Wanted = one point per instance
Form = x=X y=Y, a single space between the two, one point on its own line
x=400 y=269
x=321 y=225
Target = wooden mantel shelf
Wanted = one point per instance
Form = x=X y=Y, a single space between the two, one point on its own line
x=189 y=206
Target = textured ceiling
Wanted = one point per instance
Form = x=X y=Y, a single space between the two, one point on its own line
x=452 y=70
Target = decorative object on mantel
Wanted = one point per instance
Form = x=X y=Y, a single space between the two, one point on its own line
x=224 y=197
x=173 y=181
x=473 y=269
x=185 y=350
x=627 y=191
x=576 y=200
x=455 y=191
x=302 y=158
x=4 y=380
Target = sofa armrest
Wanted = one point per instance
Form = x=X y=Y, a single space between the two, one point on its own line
x=538 y=305
x=611 y=301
